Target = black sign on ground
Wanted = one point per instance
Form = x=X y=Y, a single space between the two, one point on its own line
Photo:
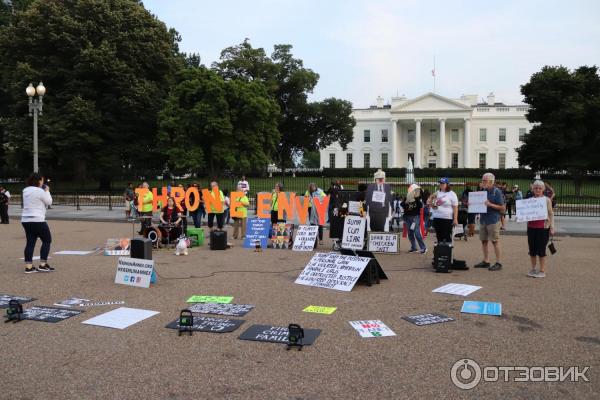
x=5 y=298
x=277 y=334
x=232 y=310
x=427 y=319
x=210 y=324
x=49 y=314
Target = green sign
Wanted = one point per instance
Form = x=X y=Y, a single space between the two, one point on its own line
x=210 y=299
x=320 y=309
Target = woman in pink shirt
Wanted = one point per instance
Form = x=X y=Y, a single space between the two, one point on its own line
x=538 y=234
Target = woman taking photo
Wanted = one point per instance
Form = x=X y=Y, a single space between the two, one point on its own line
x=539 y=232
x=36 y=198
x=445 y=211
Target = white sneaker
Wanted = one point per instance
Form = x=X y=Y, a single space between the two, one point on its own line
x=540 y=274
x=532 y=273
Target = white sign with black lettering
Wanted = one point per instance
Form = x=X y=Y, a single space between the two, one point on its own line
x=354 y=232
x=384 y=242
x=333 y=271
x=532 y=209
x=305 y=238
x=134 y=272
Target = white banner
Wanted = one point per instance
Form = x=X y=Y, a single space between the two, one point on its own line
x=477 y=202
x=354 y=232
x=134 y=272
x=384 y=242
x=305 y=238
x=333 y=271
x=372 y=328
x=532 y=209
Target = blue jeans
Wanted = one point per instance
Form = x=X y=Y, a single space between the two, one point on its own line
x=414 y=233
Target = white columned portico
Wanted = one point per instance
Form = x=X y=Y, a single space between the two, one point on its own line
x=417 y=160
x=395 y=142
x=467 y=144
x=442 y=163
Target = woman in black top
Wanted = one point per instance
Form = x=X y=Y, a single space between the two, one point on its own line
x=171 y=218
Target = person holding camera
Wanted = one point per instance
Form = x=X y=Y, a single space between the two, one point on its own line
x=36 y=198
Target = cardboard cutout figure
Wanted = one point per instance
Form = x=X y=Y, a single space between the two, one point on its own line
x=379 y=199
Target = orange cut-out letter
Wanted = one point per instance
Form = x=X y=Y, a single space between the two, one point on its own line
x=321 y=208
x=141 y=192
x=162 y=198
x=188 y=205
x=263 y=205
x=285 y=206
x=235 y=204
x=302 y=209
x=212 y=200
x=178 y=194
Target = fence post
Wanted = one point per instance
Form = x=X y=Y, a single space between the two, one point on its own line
x=109 y=202
x=77 y=201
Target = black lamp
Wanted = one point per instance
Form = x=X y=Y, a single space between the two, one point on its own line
x=257 y=246
x=186 y=322
x=14 y=312
x=295 y=336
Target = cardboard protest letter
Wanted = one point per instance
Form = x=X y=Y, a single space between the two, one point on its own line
x=263 y=205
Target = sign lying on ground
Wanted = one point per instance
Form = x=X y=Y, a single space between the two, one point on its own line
x=379 y=242
x=49 y=314
x=353 y=235
x=320 y=310
x=134 y=272
x=210 y=299
x=333 y=271
x=210 y=324
x=372 y=328
x=257 y=231
x=277 y=334
x=427 y=319
x=233 y=310
x=481 y=307
x=458 y=289
x=532 y=209
x=74 y=252
x=117 y=247
x=305 y=239
x=5 y=298
x=71 y=302
x=120 y=318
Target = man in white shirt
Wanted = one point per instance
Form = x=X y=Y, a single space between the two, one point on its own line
x=244 y=185
x=4 y=200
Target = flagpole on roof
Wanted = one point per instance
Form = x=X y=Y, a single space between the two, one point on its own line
x=433 y=73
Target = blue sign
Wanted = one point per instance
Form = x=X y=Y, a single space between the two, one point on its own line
x=257 y=229
x=481 y=307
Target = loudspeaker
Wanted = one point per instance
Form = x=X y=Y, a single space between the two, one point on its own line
x=218 y=240
x=442 y=257
x=141 y=248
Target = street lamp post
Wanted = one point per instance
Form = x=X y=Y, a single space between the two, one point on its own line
x=35 y=109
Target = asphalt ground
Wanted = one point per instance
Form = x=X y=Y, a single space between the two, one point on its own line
x=546 y=322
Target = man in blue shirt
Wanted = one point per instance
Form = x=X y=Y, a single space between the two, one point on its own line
x=489 y=223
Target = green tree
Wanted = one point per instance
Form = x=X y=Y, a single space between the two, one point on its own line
x=310 y=159
x=565 y=106
x=107 y=66
x=304 y=125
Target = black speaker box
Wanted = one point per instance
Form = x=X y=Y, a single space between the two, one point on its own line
x=442 y=257
x=218 y=240
x=141 y=248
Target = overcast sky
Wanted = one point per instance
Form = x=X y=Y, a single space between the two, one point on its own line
x=362 y=49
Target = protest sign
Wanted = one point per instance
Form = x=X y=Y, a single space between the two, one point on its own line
x=354 y=232
x=49 y=314
x=117 y=247
x=121 y=317
x=211 y=324
x=257 y=230
x=277 y=334
x=373 y=328
x=427 y=319
x=210 y=299
x=379 y=242
x=481 y=307
x=333 y=271
x=532 y=209
x=5 y=298
x=477 y=202
x=320 y=310
x=281 y=237
x=305 y=239
x=459 y=289
x=71 y=302
x=354 y=207
x=234 y=310
x=134 y=272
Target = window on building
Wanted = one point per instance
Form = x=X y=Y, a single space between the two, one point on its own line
x=454 y=135
x=366 y=160
x=384 y=160
x=482 y=160
x=454 y=160
x=522 y=133
x=367 y=135
x=411 y=156
x=384 y=136
x=432 y=136
x=411 y=135
x=501 y=160
x=349 y=160
x=502 y=135
x=482 y=134
x=332 y=160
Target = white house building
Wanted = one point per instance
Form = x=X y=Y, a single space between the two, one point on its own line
x=434 y=131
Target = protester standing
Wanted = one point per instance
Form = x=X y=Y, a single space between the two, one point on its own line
x=412 y=206
x=147 y=208
x=4 y=200
x=243 y=185
x=215 y=212
x=489 y=222
x=444 y=204
x=36 y=199
x=538 y=234
x=314 y=193
x=239 y=223
x=129 y=196
x=275 y=204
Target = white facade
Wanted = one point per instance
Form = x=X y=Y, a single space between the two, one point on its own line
x=475 y=135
